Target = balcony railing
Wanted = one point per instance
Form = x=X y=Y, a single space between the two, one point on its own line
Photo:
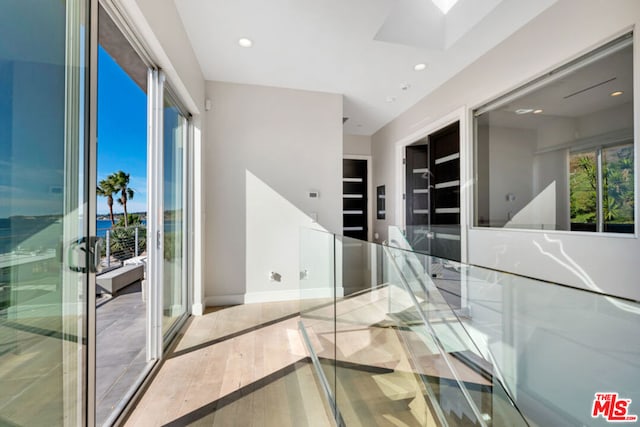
x=122 y=244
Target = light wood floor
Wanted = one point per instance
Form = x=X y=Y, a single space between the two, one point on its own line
x=247 y=366
x=237 y=366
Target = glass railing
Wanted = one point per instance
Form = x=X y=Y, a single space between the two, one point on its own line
x=404 y=338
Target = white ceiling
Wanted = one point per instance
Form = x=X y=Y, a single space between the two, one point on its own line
x=363 y=49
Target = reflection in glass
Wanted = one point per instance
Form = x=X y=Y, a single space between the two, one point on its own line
x=175 y=283
x=558 y=153
x=602 y=196
x=618 y=197
x=583 y=183
x=42 y=194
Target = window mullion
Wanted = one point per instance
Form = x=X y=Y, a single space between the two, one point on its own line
x=599 y=191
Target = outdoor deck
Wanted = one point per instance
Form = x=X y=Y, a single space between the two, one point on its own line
x=120 y=355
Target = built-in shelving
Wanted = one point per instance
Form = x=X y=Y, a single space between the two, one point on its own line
x=447 y=236
x=448 y=184
x=447 y=210
x=355 y=207
x=448 y=158
x=421 y=170
x=432 y=196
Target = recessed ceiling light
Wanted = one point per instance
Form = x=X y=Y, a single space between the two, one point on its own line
x=244 y=42
x=524 y=110
x=537 y=111
x=390 y=99
x=420 y=67
x=617 y=93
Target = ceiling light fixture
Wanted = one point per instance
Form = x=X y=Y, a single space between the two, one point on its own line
x=245 y=42
x=445 y=5
x=537 y=111
x=390 y=99
x=524 y=110
x=617 y=93
x=420 y=67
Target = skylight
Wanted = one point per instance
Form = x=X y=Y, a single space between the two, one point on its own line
x=445 y=5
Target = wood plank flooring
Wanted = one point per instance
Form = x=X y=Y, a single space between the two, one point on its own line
x=237 y=366
x=247 y=366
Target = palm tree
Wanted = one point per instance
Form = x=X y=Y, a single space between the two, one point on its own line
x=121 y=184
x=106 y=189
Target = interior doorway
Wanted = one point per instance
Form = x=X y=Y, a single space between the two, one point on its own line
x=432 y=193
x=355 y=198
x=432 y=207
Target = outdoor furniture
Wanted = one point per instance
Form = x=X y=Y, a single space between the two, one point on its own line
x=113 y=281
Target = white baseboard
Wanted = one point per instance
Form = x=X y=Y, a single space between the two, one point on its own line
x=290 y=295
x=271 y=296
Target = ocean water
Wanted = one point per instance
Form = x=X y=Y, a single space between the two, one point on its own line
x=36 y=233
x=102 y=226
x=29 y=233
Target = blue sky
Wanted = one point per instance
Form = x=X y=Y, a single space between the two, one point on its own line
x=122 y=131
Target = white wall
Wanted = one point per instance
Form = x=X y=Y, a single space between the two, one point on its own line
x=358 y=145
x=510 y=172
x=600 y=262
x=266 y=149
x=551 y=173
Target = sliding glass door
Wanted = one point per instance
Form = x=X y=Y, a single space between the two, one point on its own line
x=175 y=127
x=48 y=252
x=46 y=258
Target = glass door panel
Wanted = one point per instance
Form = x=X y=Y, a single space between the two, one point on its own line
x=44 y=252
x=175 y=283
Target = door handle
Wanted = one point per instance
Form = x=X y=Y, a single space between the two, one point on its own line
x=76 y=255
x=78 y=259
x=97 y=254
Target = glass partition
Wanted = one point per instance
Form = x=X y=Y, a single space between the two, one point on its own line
x=317 y=303
x=556 y=346
x=428 y=341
